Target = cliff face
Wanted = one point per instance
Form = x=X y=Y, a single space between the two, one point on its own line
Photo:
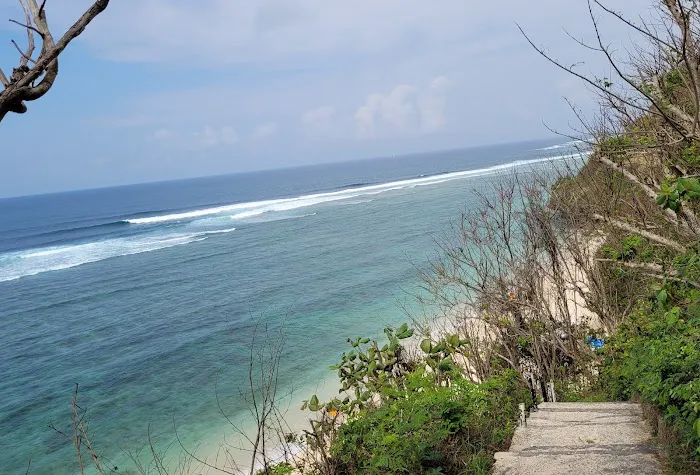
x=642 y=201
x=639 y=191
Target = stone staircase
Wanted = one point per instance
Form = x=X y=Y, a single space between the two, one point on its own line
x=581 y=438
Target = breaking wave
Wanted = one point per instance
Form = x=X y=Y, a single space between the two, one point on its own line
x=242 y=211
x=196 y=225
x=36 y=261
x=570 y=144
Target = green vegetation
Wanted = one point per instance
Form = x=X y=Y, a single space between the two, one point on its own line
x=368 y=370
x=655 y=355
x=640 y=194
x=631 y=247
x=282 y=468
x=620 y=236
x=675 y=192
x=691 y=155
x=652 y=353
x=413 y=416
x=431 y=429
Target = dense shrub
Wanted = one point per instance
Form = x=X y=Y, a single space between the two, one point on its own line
x=433 y=429
x=282 y=468
x=655 y=356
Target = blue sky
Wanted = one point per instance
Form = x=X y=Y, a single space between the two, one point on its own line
x=165 y=89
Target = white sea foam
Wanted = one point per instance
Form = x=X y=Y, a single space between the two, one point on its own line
x=31 y=262
x=269 y=218
x=218 y=231
x=252 y=209
x=563 y=145
x=356 y=202
x=19 y=264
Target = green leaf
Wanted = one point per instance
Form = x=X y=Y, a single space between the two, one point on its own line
x=672 y=316
x=314 y=404
x=426 y=345
x=438 y=348
x=446 y=364
x=453 y=340
x=690 y=184
x=662 y=297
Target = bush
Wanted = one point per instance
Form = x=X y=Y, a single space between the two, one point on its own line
x=655 y=356
x=433 y=429
x=282 y=468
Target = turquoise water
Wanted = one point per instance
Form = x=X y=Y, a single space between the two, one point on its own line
x=147 y=295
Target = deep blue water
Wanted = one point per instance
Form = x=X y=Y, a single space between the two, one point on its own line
x=147 y=295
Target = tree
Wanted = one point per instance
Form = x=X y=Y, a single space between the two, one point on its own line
x=515 y=283
x=33 y=78
x=642 y=183
x=649 y=126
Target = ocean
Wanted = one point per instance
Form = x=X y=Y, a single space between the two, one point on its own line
x=147 y=295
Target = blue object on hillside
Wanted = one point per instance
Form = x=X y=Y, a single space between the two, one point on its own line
x=595 y=342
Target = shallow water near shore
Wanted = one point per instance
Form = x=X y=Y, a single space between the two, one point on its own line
x=148 y=295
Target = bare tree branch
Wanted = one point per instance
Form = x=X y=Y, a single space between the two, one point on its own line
x=27 y=25
x=22 y=86
x=637 y=28
x=653 y=270
x=25 y=56
x=646 y=234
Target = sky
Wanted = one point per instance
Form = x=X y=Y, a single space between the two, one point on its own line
x=166 y=89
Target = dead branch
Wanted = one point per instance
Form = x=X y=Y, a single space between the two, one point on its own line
x=22 y=86
x=646 y=234
x=651 y=193
x=652 y=270
x=25 y=57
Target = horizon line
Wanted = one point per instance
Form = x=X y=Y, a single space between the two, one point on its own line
x=262 y=170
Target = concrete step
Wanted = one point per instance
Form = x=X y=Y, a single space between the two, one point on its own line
x=581 y=438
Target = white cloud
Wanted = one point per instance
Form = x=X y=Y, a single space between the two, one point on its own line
x=228 y=32
x=476 y=45
x=395 y=111
x=215 y=136
x=432 y=107
x=265 y=131
x=228 y=135
x=163 y=134
x=405 y=109
x=319 y=121
x=225 y=32
x=244 y=63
